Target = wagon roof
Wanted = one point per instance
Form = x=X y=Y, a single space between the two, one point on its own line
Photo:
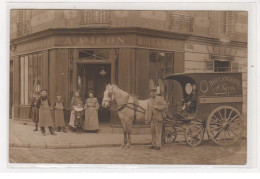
x=179 y=76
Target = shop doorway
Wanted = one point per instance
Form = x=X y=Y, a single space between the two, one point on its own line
x=96 y=77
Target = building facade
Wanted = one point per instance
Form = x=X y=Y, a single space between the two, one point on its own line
x=65 y=50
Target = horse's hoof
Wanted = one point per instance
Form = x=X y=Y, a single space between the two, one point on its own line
x=123 y=145
x=127 y=146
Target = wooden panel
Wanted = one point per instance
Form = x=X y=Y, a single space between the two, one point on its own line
x=74 y=73
x=62 y=69
x=26 y=83
x=35 y=71
x=126 y=71
x=16 y=112
x=45 y=70
x=235 y=99
x=39 y=67
x=178 y=62
x=30 y=78
x=22 y=80
x=52 y=76
x=24 y=112
x=16 y=81
x=142 y=73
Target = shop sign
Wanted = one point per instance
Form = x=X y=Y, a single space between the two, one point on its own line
x=160 y=43
x=91 y=41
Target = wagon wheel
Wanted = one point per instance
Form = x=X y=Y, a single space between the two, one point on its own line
x=224 y=125
x=194 y=135
x=170 y=134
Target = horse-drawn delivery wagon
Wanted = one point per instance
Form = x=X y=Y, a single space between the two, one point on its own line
x=216 y=109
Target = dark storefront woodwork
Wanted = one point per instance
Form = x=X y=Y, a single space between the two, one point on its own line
x=75 y=62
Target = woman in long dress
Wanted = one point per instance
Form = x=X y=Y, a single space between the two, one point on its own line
x=75 y=100
x=91 y=113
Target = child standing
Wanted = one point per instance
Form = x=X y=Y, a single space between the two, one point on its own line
x=79 y=113
x=74 y=101
x=59 y=113
x=34 y=113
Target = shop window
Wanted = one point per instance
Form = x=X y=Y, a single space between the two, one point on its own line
x=160 y=65
x=30 y=76
x=96 y=54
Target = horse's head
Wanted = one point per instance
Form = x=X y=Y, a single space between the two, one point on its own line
x=109 y=96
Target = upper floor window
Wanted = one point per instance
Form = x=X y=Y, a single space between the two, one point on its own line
x=222 y=66
x=95 y=17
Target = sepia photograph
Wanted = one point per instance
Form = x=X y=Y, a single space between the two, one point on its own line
x=93 y=86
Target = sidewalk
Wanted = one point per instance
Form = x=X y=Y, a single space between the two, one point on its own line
x=21 y=135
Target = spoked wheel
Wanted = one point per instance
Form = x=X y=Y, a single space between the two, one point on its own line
x=170 y=134
x=224 y=125
x=194 y=135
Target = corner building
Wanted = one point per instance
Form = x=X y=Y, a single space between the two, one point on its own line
x=64 y=50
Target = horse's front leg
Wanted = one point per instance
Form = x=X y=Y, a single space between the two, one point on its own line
x=125 y=134
x=129 y=126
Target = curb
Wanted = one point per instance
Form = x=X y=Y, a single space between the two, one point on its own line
x=69 y=146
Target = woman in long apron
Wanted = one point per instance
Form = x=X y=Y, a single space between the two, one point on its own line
x=59 y=113
x=45 y=120
x=76 y=99
x=91 y=113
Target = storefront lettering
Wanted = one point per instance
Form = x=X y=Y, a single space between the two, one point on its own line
x=160 y=43
x=94 y=41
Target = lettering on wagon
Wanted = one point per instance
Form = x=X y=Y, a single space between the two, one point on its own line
x=224 y=85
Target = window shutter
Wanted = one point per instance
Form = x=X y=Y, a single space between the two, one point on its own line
x=209 y=65
x=234 y=67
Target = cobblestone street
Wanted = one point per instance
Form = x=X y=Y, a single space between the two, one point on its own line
x=206 y=153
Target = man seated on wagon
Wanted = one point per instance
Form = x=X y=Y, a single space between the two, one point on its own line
x=189 y=105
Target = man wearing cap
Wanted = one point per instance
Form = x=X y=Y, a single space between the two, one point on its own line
x=45 y=119
x=154 y=114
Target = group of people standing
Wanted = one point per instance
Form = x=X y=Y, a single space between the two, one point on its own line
x=83 y=117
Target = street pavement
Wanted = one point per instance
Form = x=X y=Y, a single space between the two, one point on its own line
x=206 y=153
x=23 y=136
x=89 y=148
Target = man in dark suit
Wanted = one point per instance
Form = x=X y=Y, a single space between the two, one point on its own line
x=154 y=114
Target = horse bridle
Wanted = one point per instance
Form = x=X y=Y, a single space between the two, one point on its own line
x=124 y=105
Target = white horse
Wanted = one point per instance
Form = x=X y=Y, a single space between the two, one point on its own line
x=127 y=107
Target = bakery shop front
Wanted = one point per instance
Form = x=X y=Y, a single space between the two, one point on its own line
x=62 y=60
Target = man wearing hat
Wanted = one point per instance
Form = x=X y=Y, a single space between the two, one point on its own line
x=45 y=119
x=154 y=114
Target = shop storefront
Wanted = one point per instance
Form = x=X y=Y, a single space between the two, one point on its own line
x=63 y=60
